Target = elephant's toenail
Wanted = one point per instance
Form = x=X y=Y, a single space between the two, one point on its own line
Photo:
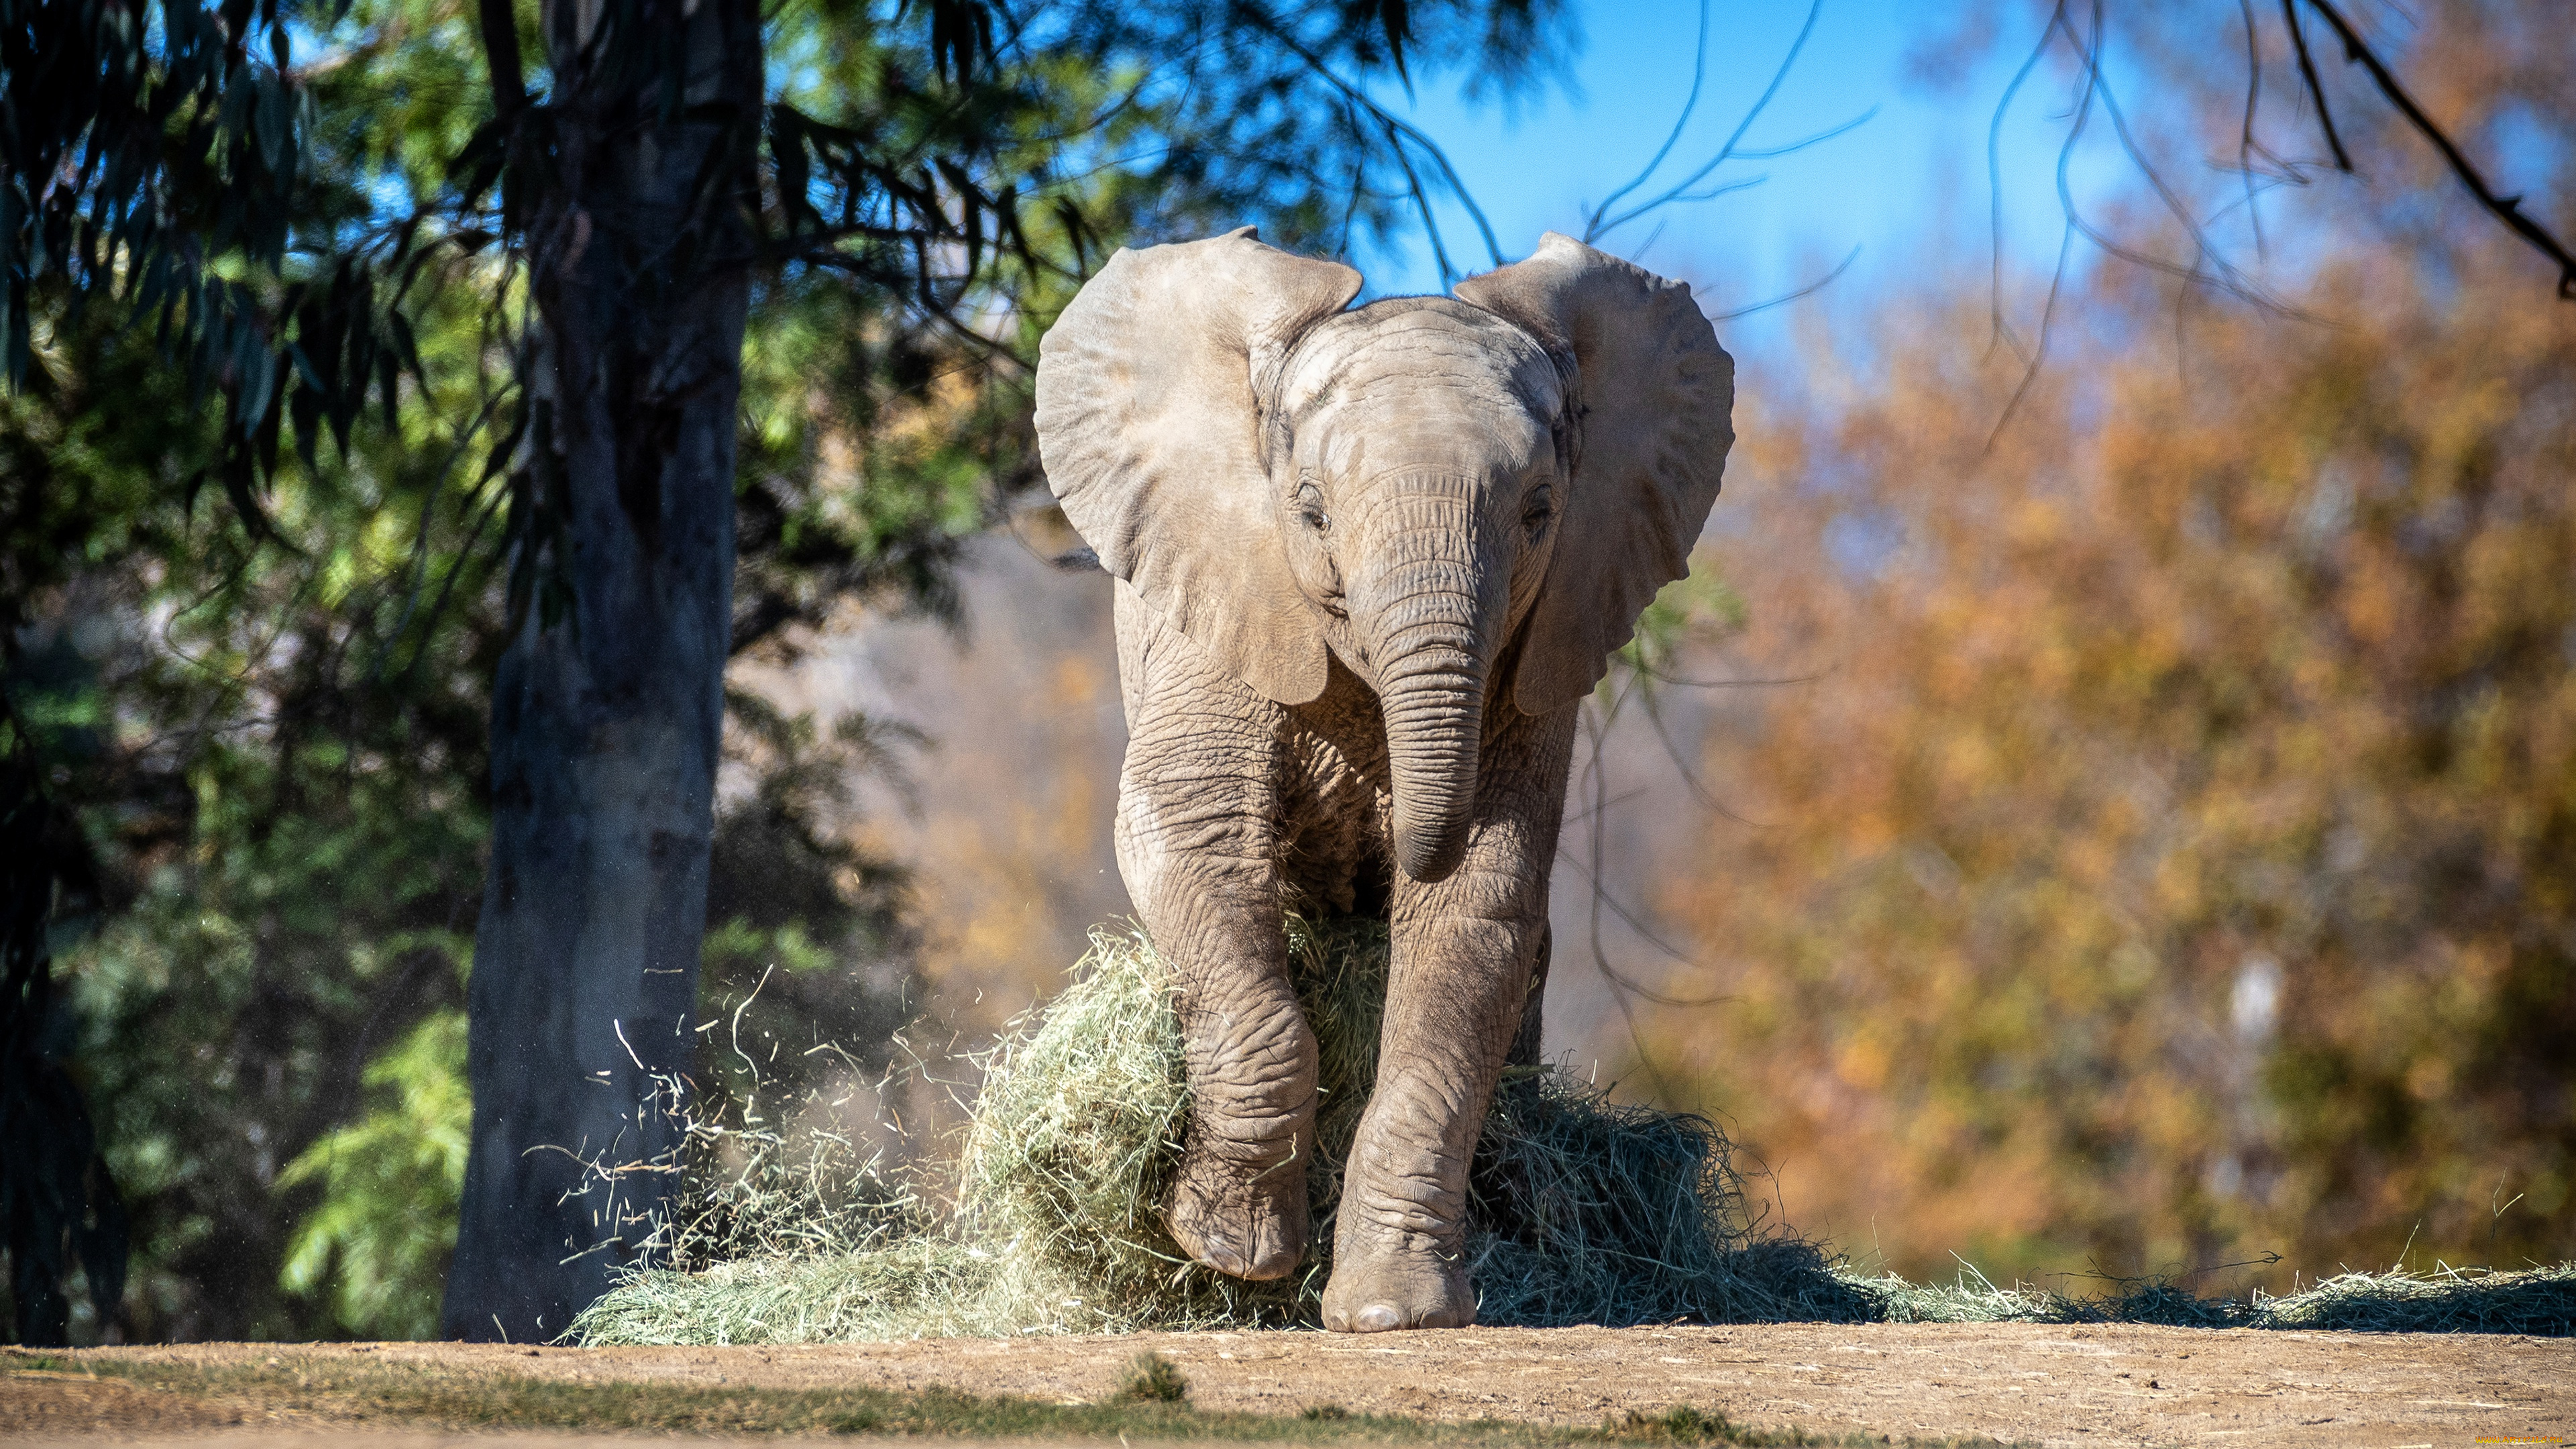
x=1378 y=1318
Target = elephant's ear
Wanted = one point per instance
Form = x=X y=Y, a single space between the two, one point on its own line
x=1652 y=394
x=1151 y=438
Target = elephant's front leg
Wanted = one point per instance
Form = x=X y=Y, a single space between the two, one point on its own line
x=1238 y=1201
x=1466 y=952
x=1196 y=843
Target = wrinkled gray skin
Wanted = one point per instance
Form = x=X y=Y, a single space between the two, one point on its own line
x=1370 y=561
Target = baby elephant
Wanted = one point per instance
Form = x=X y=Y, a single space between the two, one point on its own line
x=1369 y=562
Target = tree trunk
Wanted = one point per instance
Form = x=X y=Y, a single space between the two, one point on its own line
x=609 y=701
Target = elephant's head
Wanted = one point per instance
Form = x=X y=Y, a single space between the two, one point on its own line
x=1431 y=489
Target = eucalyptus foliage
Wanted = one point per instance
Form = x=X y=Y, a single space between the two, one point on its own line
x=276 y=189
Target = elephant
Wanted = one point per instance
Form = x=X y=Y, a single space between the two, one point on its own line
x=1367 y=564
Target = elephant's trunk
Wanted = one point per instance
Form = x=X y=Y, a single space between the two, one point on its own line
x=1431 y=685
x=1431 y=736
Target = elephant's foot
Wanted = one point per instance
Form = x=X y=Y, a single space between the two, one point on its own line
x=1409 y=1286
x=1245 y=1220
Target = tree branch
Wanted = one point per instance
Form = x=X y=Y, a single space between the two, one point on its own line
x=1600 y=223
x=2316 y=88
x=2507 y=209
x=501 y=57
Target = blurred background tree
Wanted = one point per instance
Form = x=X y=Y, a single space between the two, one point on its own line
x=278 y=758
x=2166 y=860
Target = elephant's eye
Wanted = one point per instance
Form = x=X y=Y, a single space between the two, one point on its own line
x=1310 y=502
x=1540 y=506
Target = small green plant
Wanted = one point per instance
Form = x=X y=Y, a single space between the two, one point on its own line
x=1152 y=1378
x=1324 y=1413
x=1682 y=1425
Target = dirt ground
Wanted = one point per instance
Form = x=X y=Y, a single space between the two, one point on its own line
x=2092 y=1385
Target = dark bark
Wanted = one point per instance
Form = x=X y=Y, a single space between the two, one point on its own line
x=59 y=1208
x=609 y=700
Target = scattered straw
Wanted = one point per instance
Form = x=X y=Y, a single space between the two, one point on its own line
x=2539 y=1301
x=1581 y=1210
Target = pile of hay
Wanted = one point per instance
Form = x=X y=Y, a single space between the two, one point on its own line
x=1581 y=1211
x=2537 y=1301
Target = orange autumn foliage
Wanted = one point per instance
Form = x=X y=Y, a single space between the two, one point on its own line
x=2172 y=856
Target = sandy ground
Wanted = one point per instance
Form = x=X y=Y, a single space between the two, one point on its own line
x=2094 y=1385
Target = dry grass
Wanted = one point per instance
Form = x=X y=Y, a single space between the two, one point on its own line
x=1582 y=1210
x=2538 y=1301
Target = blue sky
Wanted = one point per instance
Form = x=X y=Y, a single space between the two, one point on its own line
x=1907 y=187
